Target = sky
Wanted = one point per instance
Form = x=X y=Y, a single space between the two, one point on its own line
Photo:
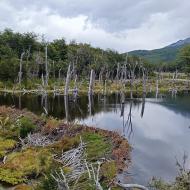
x=122 y=25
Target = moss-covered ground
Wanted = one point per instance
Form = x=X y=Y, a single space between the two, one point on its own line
x=30 y=167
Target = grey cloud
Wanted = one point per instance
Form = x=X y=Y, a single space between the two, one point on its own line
x=111 y=15
x=123 y=24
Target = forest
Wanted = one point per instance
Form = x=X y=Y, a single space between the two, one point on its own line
x=27 y=58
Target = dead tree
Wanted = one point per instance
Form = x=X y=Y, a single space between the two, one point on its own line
x=54 y=69
x=43 y=83
x=105 y=82
x=157 y=87
x=20 y=71
x=27 y=59
x=36 y=139
x=100 y=75
x=117 y=74
x=68 y=78
x=59 y=74
x=144 y=79
x=132 y=67
x=91 y=84
x=75 y=82
x=133 y=186
x=46 y=66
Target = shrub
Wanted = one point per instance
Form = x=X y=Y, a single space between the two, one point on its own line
x=26 y=126
x=51 y=124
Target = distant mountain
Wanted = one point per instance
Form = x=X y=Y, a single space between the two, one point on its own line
x=166 y=54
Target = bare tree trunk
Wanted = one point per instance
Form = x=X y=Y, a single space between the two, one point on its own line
x=54 y=69
x=100 y=76
x=91 y=84
x=132 y=76
x=46 y=66
x=43 y=80
x=144 y=80
x=117 y=75
x=27 y=59
x=20 y=71
x=67 y=81
x=105 y=87
x=157 y=87
x=59 y=75
x=75 y=82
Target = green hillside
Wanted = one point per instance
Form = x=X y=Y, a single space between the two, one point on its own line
x=166 y=54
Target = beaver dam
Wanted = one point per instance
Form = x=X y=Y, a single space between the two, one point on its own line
x=49 y=153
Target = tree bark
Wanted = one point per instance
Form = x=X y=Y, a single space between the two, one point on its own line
x=46 y=66
x=67 y=81
x=20 y=71
x=91 y=84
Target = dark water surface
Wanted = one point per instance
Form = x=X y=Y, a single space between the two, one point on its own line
x=157 y=128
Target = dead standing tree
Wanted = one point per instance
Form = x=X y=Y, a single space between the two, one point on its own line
x=132 y=67
x=144 y=79
x=157 y=85
x=46 y=66
x=117 y=74
x=91 y=84
x=20 y=70
x=68 y=78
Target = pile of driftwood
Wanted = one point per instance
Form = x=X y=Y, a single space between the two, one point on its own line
x=76 y=160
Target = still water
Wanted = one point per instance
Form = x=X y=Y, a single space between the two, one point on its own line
x=158 y=129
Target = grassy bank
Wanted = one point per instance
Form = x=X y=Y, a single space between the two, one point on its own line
x=152 y=85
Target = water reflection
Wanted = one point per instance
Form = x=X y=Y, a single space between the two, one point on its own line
x=158 y=129
x=66 y=108
x=143 y=104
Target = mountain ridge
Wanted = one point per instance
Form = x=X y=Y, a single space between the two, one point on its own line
x=165 y=54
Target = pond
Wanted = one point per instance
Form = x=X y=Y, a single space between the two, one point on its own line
x=158 y=128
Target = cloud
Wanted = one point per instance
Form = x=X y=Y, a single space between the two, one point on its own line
x=124 y=25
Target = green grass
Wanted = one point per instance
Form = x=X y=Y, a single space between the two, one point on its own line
x=97 y=146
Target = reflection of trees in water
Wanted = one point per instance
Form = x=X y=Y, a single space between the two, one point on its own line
x=75 y=108
x=66 y=108
x=90 y=97
x=143 y=104
x=44 y=102
x=129 y=123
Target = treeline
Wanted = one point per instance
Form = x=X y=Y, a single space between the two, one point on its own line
x=82 y=57
x=27 y=54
